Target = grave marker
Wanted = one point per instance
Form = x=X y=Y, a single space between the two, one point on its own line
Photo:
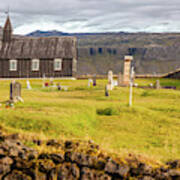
x=58 y=86
x=90 y=81
x=94 y=80
x=106 y=91
x=127 y=67
x=158 y=86
x=28 y=85
x=110 y=81
x=15 y=91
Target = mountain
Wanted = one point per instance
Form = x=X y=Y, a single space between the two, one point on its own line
x=154 y=53
x=39 y=33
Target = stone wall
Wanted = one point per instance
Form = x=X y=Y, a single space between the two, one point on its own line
x=72 y=162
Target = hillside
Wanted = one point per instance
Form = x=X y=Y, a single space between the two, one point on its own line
x=154 y=53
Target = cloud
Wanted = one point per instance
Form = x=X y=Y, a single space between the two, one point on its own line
x=93 y=15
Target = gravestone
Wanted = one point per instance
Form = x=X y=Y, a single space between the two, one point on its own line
x=94 y=80
x=120 y=79
x=51 y=82
x=15 y=91
x=158 y=86
x=127 y=66
x=90 y=81
x=28 y=85
x=58 y=86
x=110 y=81
x=106 y=91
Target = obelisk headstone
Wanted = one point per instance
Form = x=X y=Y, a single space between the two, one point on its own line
x=127 y=66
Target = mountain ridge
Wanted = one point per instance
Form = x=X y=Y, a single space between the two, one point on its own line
x=154 y=53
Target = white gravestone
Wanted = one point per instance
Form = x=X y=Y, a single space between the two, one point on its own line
x=90 y=82
x=110 y=85
x=28 y=85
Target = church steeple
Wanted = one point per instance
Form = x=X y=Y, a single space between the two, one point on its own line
x=7 y=31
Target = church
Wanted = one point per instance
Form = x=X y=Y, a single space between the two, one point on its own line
x=29 y=57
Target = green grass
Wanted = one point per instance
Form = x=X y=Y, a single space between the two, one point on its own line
x=150 y=127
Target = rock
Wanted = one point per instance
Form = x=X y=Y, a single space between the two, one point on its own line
x=174 y=164
x=68 y=144
x=117 y=169
x=17 y=175
x=31 y=156
x=12 y=137
x=57 y=158
x=44 y=156
x=123 y=171
x=21 y=164
x=174 y=173
x=99 y=165
x=147 y=178
x=5 y=165
x=84 y=160
x=111 y=167
x=89 y=174
x=14 y=152
x=142 y=169
x=45 y=166
x=68 y=171
x=53 y=142
x=2 y=153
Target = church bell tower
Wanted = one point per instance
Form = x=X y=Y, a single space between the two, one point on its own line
x=7 y=31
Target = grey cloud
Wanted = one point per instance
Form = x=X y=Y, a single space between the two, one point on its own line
x=94 y=15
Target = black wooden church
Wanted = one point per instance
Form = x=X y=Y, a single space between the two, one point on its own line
x=28 y=57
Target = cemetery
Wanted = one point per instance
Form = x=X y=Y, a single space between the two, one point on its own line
x=85 y=111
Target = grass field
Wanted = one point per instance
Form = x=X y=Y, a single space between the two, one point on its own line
x=151 y=127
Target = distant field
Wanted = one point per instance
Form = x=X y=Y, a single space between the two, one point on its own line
x=151 y=127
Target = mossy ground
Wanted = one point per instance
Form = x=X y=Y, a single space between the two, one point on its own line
x=150 y=127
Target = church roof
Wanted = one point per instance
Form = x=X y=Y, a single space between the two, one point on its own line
x=41 y=48
x=8 y=25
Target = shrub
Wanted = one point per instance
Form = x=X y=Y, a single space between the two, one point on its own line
x=107 y=111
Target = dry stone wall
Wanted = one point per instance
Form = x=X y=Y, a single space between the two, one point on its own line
x=18 y=162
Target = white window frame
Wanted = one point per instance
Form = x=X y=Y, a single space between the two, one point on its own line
x=58 y=60
x=33 y=68
x=11 y=67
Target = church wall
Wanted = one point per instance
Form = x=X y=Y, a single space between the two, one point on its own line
x=46 y=68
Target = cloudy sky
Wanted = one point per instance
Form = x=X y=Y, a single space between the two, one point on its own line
x=92 y=15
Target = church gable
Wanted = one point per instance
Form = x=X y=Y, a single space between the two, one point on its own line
x=36 y=57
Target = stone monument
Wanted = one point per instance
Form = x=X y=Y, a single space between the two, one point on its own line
x=127 y=67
